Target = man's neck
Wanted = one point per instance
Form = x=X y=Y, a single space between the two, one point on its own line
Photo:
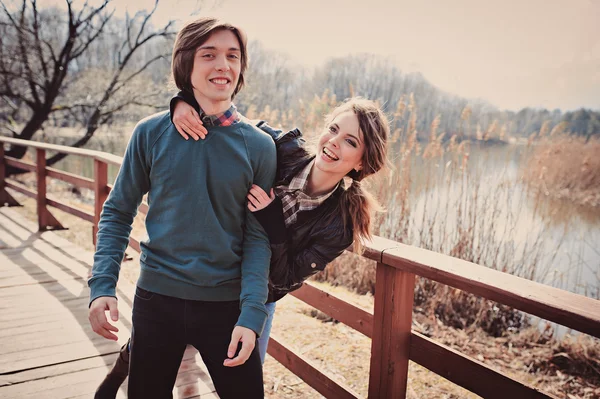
x=212 y=107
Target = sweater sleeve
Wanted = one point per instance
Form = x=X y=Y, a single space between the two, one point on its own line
x=256 y=252
x=117 y=215
x=181 y=96
x=272 y=220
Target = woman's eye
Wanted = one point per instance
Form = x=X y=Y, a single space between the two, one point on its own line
x=332 y=129
x=234 y=56
x=207 y=56
x=351 y=142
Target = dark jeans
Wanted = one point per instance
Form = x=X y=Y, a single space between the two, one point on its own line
x=164 y=325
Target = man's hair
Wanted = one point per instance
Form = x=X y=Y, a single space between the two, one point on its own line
x=193 y=35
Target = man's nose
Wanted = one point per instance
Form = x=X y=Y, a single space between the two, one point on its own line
x=222 y=64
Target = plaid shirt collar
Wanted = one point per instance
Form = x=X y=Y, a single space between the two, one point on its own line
x=226 y=118
x=294 y=198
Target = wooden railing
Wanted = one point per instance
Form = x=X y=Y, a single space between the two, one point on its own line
x=393 y=342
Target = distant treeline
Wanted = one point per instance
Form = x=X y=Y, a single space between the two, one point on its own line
x=275 y=81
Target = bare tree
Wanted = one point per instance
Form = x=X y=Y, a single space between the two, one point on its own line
x=39 y=50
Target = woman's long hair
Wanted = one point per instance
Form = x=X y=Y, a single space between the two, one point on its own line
x=358 y=204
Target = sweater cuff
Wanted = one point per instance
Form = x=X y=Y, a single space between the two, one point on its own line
x=102 y=286
x=253 y=318
x=180 y=96
x=271 y=219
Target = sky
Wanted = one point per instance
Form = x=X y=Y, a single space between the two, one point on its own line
x=512 y=53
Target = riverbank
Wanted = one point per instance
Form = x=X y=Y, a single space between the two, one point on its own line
x=568 y=368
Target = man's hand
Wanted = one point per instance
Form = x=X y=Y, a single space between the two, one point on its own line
x=97 y=316
x=248 y=339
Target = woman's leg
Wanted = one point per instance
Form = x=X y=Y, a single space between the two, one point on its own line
x=263 y=340
x=114 y=379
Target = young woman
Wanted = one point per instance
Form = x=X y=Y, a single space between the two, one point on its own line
x=311 y=216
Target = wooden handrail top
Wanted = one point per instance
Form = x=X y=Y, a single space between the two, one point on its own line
x=563 y=307
x=99 y=155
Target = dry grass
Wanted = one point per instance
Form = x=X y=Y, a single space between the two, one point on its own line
x=566 y=167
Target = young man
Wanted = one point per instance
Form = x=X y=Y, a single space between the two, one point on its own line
x=204 y=266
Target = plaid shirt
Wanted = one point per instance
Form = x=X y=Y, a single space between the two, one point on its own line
x=227 y=118
x=294 y=199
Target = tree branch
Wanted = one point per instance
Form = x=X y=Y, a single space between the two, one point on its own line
x=77 y=52
x=36 y=35
x=124 y=82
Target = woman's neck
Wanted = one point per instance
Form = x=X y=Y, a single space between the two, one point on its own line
x=320 y=182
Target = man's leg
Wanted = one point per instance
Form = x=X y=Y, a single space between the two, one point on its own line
x=209 y=329
x=157 y=345
x=263 y=341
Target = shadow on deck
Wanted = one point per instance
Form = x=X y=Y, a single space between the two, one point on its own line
x=47 y=347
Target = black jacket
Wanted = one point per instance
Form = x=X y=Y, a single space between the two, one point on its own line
x=315 y=239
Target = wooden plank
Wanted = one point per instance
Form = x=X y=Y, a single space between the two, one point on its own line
x=53 y=355
x=27 y=280
x=70 y=178
x=467 y=372
x=27 y=293
x=80 y=213
x=311 y=374
x=10 y=183
x=79 y=314
x=134 y=243
x=62 y=386
x=17 y=163
x=374 y=248
x=566 y=308
x=340 y=310
x=45 y=219
x=102 y=156
x=52 y=327
x=18 y=313
x=66 y=337
x=390 y=345
x=5 y=197
x=58 y=369
x=100 y=193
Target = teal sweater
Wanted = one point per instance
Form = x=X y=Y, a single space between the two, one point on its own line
x=203 y=243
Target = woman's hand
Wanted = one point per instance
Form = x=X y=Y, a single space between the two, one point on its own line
x=258 y=199
x=187 y=121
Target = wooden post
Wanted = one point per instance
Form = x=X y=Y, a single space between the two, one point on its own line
x=5 y=197
x=100 y=192
x=390 y=347
x=46 y=220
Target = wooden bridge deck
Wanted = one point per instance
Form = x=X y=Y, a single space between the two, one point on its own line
x=47 y=347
